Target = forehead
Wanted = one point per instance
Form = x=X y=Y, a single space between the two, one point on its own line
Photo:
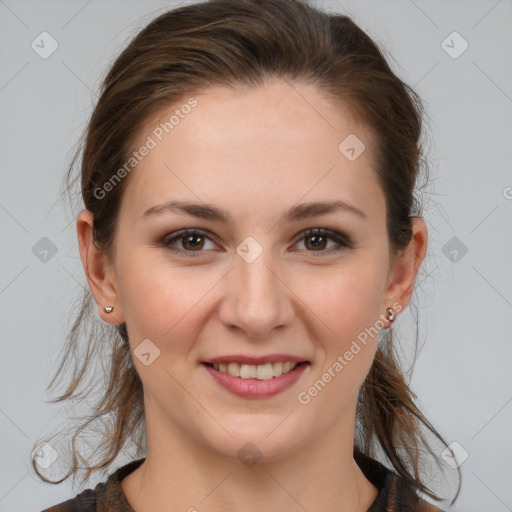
x=275 y=144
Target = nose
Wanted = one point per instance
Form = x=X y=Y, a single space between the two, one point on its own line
x=257 y=300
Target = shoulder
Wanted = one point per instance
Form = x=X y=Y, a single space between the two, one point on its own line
x=402 y=497
x=84 y=502
x=395 y=494
x=423 y=506
x=106 y=496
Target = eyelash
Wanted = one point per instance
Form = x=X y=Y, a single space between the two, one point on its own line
x=343 y=241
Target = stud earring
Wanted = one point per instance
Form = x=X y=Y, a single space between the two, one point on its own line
x=390 y=314
x=108 y=309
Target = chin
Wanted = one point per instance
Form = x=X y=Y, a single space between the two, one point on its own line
x=255 y=441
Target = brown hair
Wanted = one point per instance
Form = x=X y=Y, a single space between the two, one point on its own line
x=226 y=42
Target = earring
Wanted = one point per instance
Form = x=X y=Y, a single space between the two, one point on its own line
x=390 y=314
x=108 y=309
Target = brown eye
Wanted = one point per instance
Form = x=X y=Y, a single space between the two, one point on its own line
x=316 y=240
x=193 y=241
x=190 y=242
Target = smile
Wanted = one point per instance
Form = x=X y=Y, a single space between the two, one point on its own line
x=270 y=379
x=261 y=371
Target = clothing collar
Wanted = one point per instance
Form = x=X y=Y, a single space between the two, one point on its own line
x=395 y=494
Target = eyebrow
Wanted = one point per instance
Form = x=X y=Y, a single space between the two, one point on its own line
x=213 y=213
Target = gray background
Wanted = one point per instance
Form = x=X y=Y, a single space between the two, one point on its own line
x=462 y=374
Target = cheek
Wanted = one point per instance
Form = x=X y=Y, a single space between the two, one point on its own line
x=347 y=306
x=165 y=302
x=159 y=299
x=346 y=299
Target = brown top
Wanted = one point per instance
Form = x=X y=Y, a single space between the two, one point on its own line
x=395 y=494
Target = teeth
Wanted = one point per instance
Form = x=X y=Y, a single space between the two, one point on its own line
x=250 y=371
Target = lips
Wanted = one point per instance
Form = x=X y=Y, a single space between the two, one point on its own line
x=253 y=388
x=254 y=360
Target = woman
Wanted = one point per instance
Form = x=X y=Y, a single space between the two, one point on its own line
x=251 y=232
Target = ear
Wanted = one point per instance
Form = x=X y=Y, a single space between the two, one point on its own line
x=405 y=268
x=98 y=269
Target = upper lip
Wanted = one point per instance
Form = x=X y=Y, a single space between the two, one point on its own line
x=271 y=358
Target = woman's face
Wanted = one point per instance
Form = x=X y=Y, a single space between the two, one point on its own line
x=256 y=284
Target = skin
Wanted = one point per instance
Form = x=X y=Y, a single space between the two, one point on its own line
x=254 y=152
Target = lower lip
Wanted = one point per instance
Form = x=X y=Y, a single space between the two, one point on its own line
x=255 y=388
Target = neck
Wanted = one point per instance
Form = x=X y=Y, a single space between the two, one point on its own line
x=181 y=471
